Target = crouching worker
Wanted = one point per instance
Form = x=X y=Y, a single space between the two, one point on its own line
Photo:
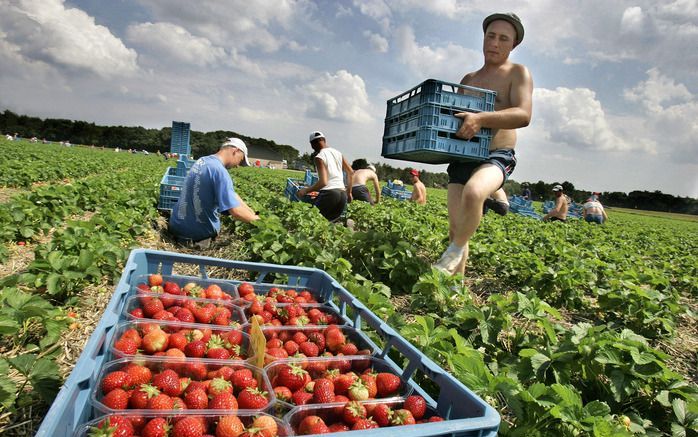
x=207 y=193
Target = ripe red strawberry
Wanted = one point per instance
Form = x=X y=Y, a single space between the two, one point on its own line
x=274 y=354
x=177 y=340
x=318 y=338
x=126 y=346
x=116 y=399
x=382 y=414
x=116 y=426
x=312 y=425
x=402 y=417
x=291 y=376
x=343 y=382
x=229 y=426
x=155 y=341
x=234 y=337
x=252 y=399
x=243 y=378
x=370 y=382
x=323 y=392
x=225 y=372
x=338 y=427
x=137 y=313
x=301 y=397
x=218 y=386
x=196 y=399
x=160 y=402
x=352 y=412
x=151 y=306
x=154 y=279
x=300 y=337
x=223 y=401
x=309 y=349
x=283 y=393
x=141 y=395
x=218 y=353
x=138 y=374
x=188 y=427
x=245 y=288
x=197 y=371
x=116 y=379
x=435 y=419
x=416 y=405
x=387 y=384
x=185 y=315
x=291 y=347
x=364 y=424
x=221 y=320
x=266 y=425
x=168 y=382
x=195 y=349
x=334 y=339
x=349 y=349
x=204 y=314
x=171 y=288
x=157 y=427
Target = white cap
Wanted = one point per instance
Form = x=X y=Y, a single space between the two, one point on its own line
x=557 y=187
x=316 y=135
x=238 y=143
x=372 y=167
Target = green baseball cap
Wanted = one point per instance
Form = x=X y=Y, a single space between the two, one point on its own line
x=509 y=17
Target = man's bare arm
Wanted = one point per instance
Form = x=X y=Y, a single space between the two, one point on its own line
x=376 y=187
x=243 y=212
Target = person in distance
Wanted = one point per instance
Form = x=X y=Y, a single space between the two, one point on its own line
x=419 y=191
x=559 y=212
x=364 y=172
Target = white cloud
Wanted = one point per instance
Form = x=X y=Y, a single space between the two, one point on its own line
x=449 y=62
x=376 y=9
x=632 y=20
x=341 y=96
x=657 y=90
x=574 y=117
x=378 y=42
x=167 y=40
x=49 y=32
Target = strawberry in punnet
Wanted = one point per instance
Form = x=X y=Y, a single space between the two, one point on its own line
x=243 y=378
x=252 y=399
x=292 y=376
x=435 y=419
x=115 y=426
x=214 y=291
x=369 y=380
x=160 y=402
x=177 y=340
x=388 y=384
x=291 y=347
x=195 y=349
x=185 y=315
x=266 y=425
x=151 y=306
x=349 y=349
x=364 y=424
x=157 y=427
x=402 y=417
x=338 y=427
x=358 y=391
x=188 y=427
x=283 y=393
x=229 y=426
x=154 y=280
x=196 y=370
x=168 y=382
x=312 y=425
x=334 y=339
x=223 y=401
x=352 y=412
x=299 y=337
x=318 y=338
x=301 y=397
x=416 y=405
x=141 y=395
x=126 y=346
x=114 y=380
x=155 y=341
x=309 y=349
x=343 y=382
x=218 y=386
x=116 y=399
x=323 y=392
x=196 y=399
x=215 y=349
x=245 y=288
x=192 y=289
x=382 y=414
x=137 y=313
x=171 y=288
x=138 y=374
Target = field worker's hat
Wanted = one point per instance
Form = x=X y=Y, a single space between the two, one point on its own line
x=510 y=18
x=238 y=143
x=414 y=172
x=557 y=187
x=316 y=135
x=372 y=167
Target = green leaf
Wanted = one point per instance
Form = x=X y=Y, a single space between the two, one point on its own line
x=23 y=363
x=53 y=283
x=26 y=232
x=85 y=259
x=45 y=380
x=679 y=407
x=55 y=259
x=597 y=408
x=8 y=390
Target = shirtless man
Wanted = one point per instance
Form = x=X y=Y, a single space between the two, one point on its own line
x=593 y=211
x=359 y=191
x=559 y=213
x=470 y=184
x=419 y=191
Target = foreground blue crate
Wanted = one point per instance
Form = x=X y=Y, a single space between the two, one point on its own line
x=467 y=414
x=179 y=143
x=434 y=146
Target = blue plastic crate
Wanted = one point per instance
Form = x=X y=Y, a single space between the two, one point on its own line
x=430 y=116
x=467 y=414
x=170 y=190
x=292 y=187
x=179 y=143
x=433 y=146
x=465 y=98
x=396 y=191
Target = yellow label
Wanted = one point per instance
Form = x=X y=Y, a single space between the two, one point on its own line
x=258 y=344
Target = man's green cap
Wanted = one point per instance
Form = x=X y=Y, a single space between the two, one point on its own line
x=509 y=17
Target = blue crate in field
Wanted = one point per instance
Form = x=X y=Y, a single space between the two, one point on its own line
x=434 y=146
x=466 y=413
x=395 y=191
x=310 y=178
x=292 y=187
x=179 y=143
x=170 y=190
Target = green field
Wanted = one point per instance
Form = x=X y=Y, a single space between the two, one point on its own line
x=567 y=329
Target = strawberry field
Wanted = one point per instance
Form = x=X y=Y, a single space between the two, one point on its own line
x=566 y=329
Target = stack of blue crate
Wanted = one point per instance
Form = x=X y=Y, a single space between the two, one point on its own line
x=173 y=180
x=421 y=126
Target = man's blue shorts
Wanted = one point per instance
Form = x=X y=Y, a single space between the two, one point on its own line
x=460 y=172
x=594 y=218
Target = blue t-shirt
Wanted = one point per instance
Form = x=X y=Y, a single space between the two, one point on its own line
x=207 y=192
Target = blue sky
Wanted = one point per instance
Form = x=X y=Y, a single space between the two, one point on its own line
x=615 y=102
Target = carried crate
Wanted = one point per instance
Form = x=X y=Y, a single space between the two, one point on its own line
x=465 y=413
x=420 y=124
x=179 y=142
x=293 y=185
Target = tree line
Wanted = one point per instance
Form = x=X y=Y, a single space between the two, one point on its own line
x=205 y=143
x=133 y=137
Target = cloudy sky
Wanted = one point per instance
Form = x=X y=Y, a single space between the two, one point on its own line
x=615 y=105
